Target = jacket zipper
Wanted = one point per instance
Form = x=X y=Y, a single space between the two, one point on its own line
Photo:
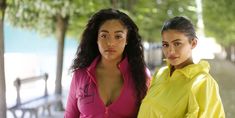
x=106 y=112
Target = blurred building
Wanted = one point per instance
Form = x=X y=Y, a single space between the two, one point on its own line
x=153 y=54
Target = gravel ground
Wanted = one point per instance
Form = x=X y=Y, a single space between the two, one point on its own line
x=224 y=73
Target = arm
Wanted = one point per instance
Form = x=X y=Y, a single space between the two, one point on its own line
x=71 y=110
x=204 y=99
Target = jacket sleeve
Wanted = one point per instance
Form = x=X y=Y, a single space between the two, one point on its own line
x=204 y=99
x=71 y=110
x=149 y=77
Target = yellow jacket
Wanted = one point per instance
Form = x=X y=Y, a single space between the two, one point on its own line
x=189 y=92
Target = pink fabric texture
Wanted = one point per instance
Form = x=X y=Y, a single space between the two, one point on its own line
x=84 y=100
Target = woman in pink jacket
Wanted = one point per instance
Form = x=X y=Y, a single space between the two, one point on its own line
x=109 y=72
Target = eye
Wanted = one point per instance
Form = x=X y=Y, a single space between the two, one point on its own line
x=103 y=36
x=118 y=37
x=164 y=45
x=177 y=43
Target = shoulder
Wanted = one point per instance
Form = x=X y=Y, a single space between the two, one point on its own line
x=203 y=81
x=160 y=72
x=148 y=73
x=79 y=74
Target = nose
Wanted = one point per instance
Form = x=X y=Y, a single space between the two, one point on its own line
x=171 y=50
x=110 y=41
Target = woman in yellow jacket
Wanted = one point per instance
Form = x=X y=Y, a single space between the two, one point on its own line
x=182 y=89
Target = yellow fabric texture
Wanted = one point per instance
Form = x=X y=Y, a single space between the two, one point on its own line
x=189 y=92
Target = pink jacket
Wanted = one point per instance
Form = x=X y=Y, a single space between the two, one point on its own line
x=84 y=101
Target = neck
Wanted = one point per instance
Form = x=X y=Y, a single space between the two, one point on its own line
x=104 y=63
x=185 y=63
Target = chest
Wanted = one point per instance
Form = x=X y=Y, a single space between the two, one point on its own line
x=109 y=86
x=170 y=95
x=89 y=101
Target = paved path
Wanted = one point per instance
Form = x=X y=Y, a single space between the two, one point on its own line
x=224 y=73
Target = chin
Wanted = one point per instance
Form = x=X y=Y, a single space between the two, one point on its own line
x=175 y=63
x=110 y=57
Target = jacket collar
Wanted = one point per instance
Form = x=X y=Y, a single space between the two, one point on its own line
x=192 y=70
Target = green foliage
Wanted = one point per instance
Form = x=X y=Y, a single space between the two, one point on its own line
x=40 y=15
x=151 y=14
x=219 y=20
x=78 y=22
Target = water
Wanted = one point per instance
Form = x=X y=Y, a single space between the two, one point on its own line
x=29 y=54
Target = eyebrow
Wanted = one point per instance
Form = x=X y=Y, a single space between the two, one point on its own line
x=172 y=41
x=176 y=40
x=104 y=31
x=118 y=31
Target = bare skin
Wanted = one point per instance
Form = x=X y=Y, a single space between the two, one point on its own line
x=110 y=82
x=111 y=42
x=177 y=48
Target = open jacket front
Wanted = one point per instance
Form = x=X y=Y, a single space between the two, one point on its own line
x=84 y=100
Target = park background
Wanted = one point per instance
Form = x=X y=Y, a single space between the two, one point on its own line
x=42 y=36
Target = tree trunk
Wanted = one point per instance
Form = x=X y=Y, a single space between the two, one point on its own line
x=233 y=52
x=2 y=73
x=128 y=5
x=61 y=28
x=228 y=52
x=114 y=3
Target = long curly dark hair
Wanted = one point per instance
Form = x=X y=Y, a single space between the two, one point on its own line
x=88 y=48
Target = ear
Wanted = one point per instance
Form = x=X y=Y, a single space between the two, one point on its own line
x=194 y=43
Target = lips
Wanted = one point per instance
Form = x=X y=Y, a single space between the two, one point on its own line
x=172 y=58
x=110 y=50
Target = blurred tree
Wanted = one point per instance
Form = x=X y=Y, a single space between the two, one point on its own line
x=50 y=17
x=69 y=16
x=219 y=22
x=151 y=14
x=2 y=73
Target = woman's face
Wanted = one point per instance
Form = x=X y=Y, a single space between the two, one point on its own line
x=112 y=39
x=177 y=48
